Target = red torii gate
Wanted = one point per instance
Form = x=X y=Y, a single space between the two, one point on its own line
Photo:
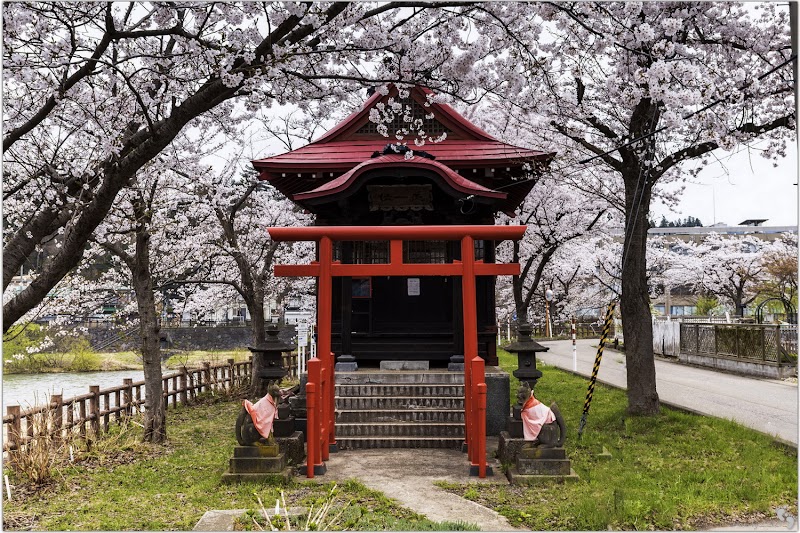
x=321 y=431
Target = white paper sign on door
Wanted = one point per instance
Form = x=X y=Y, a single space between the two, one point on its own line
x=413 y=286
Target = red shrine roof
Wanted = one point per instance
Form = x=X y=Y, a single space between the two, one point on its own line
x=346 y=151
x=452 y=178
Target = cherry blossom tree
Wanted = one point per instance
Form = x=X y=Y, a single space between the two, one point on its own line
x=93 y=92
x=730 y=267
x=150 y=232
x=641 y=88
x=780 y=265
x=555 y=215
x=242 y=208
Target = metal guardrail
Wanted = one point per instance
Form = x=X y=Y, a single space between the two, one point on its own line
x=747 y=342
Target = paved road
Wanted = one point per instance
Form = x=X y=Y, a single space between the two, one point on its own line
x=769 y=406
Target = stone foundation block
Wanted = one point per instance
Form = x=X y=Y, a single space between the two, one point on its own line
x=259 y=450
x=542 y=453
x=293 y=446
x=268 y=477
x=257 y=465
x=283 y=427
x=405 y=365
x=543 y=467
x=516 y=478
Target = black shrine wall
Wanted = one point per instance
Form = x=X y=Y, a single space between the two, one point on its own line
x=383 y=318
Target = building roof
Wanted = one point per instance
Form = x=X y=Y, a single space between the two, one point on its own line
x=305 y=173
x=453 y=179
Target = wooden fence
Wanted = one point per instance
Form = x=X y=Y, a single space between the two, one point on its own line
x=560 y=330
x=92 y=413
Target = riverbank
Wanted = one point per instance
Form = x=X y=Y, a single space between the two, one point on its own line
x=27 y=389
x=87 y=361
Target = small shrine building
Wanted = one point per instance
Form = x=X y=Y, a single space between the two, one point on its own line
x=351 y=176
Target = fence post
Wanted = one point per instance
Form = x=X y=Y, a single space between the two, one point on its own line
x=716 y=348
x=82 y=417
x=57 y=406
x=206 y=376
x=107 y=405
x=128 y=395
x=230 y=374
x=764 y=344
x=94 y=409
x=15 y=435
x=118 y=400
x=183 y=381
x=165 y=392
x=70 y=418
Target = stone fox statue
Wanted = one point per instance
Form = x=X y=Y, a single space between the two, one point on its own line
x=255 y=420
x=541 y=424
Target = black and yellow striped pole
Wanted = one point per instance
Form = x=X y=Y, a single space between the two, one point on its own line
x=597 y=359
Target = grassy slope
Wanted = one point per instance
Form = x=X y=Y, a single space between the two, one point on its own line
x=672 y=471
x=125 y=485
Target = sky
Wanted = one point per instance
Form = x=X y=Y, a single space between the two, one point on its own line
x=738 y=187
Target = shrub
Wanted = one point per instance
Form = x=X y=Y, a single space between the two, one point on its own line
x=20 y=344
x=85 y=360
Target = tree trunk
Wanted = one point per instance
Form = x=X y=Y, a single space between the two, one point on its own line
x=517 y=287
x=635 y=301
x=255 y=305
x=519 y=300
x=155 y=423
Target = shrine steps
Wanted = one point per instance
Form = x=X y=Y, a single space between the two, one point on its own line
x=399 y=409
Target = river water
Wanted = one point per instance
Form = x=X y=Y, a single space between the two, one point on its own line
x=27 y=390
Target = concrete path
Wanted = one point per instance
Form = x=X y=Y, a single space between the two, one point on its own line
x=769 y=406
x=407 y=476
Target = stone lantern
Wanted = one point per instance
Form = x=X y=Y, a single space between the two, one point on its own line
x=526 y=372
x=270 y=355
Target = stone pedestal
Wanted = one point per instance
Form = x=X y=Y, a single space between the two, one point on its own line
x=283 y=426
x=257 y=463
x=456 y=363
x=345 y=363
x=293 y=447
x=533 y=464
x=297 y=406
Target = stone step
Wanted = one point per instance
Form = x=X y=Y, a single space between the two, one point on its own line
x=352 y=443
x=399 y=389
x=545 y=467
x=400 y=376
x=388 y=415
x=401 y=429
x=372 y=403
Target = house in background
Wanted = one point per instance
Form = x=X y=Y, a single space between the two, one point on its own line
x=682 y=300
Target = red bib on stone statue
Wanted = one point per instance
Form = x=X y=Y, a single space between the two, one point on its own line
x=535 y=414
x=263 y=413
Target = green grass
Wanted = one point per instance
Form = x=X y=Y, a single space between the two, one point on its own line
x=123 y=484
x=672 y=471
